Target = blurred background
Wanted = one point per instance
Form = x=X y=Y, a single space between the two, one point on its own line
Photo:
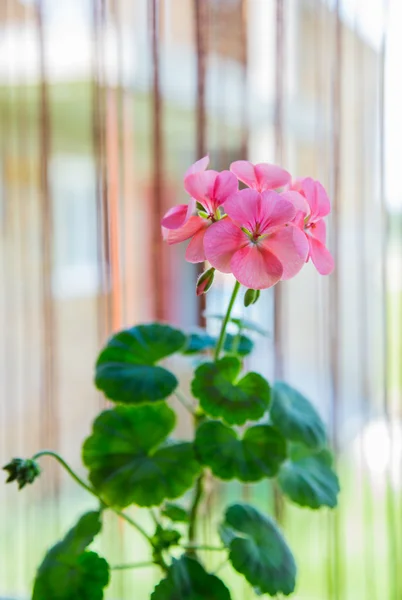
x=103 y=106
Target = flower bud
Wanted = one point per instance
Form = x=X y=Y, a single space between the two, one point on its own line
x=205 y=281
x=22 y=470
x=251 y=296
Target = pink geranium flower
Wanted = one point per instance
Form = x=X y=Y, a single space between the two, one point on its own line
x=312 y=204
x=208 y=191
x=257 y=241
x=260 y=177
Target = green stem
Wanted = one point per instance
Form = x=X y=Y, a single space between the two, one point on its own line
x=91 y=490
x=199 y=486
x=184 y=401
x=132 y=566
x=225 y=321
x=192 y=528
x=202 y=547
x=154 y=516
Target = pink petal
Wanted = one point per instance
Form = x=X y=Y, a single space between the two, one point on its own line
x=195 y=250
x=268 y=210
x=221 y=241
x=299 y=220
x=307 y=187
x=316 y=197
x=225 y=185
x=324 y=206
x=291 y=247
x=321 y=257
x=260 y=177
x=256 y=267
x=271 y=176
x=244 y=208
x=200 y=186
x=244 y=171
x=275 y=211
x=198 y=166
x=318 y=230
x=190 y=228
x=175 y=217
x=296 y=185
x=298 y=201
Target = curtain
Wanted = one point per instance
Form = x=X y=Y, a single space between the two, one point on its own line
x=103 y=106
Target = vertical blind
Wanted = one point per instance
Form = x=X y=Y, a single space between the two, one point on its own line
x=103 y=106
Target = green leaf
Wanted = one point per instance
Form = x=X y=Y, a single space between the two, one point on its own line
x=68 y=571
x=310 y=481
x=165 y=538
x=126 y=369
x=259 y=454
x=221 y=394
x=200 y=340
x=241 y=345
x=296 y=417
x=188 y=580
x=175 y=512
x=127 y=461
x=258 y=551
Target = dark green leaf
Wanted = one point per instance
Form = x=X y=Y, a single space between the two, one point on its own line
x=199 y=341
x=126 y=369
x=241 y=345
x=259 y=454
x=258 y=551
x=296 y=417
x=310 y=481
x=221 y=394
x=175 y=512
x=165 y=538
x=69 y=571
x=188 y=580
x=126 y=461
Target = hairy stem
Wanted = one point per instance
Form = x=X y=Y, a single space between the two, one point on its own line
x=225 y=321
x=184 y=401
x=199 y=486
x=91 y=490
x=203 y=547
x=192 y=528
x=132 y=566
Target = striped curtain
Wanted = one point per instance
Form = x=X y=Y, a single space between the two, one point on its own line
x=103 y=106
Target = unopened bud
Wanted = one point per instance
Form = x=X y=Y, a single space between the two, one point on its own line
x=205 y=281
x=22 y=471
x=251 y=297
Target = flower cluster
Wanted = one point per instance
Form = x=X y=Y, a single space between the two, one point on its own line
x=261 y=234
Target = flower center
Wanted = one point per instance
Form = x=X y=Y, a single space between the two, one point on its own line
x=255 y=236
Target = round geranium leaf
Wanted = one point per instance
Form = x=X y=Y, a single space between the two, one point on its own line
x=259 y=454
x=188 y=580
x=126 y=369
x=258 y=550
x=199 y=341
x=175 y=512
x=126 y=461
x=69 y=571
x=310 y=481
x=241 y=345
x=222 y=394
x=296 y=417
